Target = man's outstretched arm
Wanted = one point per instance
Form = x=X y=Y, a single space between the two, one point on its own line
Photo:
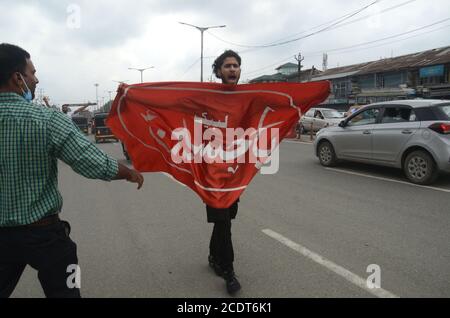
x=71 y=146
x=81 y=109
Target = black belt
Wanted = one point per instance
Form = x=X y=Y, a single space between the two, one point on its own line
x=48 y=220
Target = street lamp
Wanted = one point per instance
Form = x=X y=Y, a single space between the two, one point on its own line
x=141 y=70
x=96 y=93
x=202 y=30
x=121 y=82
x=110 y=92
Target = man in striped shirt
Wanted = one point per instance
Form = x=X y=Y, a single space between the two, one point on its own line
x=32 y=139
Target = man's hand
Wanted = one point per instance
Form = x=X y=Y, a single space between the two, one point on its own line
x=136 y=177
x=130 y=175
x=45 y=99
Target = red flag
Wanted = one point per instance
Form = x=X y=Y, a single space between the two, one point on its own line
x=211 y=137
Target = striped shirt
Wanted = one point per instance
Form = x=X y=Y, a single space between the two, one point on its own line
x=32 y=138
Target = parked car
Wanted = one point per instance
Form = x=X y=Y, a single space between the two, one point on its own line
x=100 y=130
x=82 y=123
x=413 y=135
x=318 y=118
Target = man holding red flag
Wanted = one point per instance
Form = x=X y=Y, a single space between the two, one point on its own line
x=226 y=67
x=213 y=138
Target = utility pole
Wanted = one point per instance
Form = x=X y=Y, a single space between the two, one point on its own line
x=299 y=59
x=325 y=62
x=110 y=92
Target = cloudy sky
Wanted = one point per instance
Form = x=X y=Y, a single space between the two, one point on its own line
x=77 y=43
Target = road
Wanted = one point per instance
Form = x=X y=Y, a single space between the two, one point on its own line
x=306 y=231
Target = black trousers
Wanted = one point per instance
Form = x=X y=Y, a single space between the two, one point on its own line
x=48 y=249
x=221 y=245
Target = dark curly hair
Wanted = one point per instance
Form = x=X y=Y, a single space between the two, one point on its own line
x=12 y=59
x=221 y=59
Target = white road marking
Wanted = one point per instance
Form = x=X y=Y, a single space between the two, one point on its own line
x=352 y=278
x=297 y=142
x=387 y=179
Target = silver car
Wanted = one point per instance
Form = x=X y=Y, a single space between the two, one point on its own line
x=317 y=118
x=410 y=134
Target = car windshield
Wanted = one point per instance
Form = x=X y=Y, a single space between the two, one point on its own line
x=100 y=121
x=331 y=113
x=445 y=110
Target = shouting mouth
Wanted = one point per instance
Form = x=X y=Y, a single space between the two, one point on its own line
x=232 y=78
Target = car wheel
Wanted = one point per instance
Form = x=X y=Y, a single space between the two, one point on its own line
x=327 y=156
x=420 y=168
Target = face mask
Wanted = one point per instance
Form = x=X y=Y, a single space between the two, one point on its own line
x=27 y=95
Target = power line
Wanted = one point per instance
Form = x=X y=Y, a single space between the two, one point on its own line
x=350 y=22
x=311 y=54
x=392 y=42
x=393 y=36
x=363 y=44
x=345 y=51
x=316 y=27
x=329 y=28
x=378 y=13
x=303 y=37
x=190 y=67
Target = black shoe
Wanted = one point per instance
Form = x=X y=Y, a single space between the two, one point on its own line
x=231 y=281
x=216 y=267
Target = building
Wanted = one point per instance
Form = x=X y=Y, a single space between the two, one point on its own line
x=424 y=75
x=287 y=69
x=287 y=73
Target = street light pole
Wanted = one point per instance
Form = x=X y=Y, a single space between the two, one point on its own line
x=110 y=92
x=202 y=30
x=96 y=93
x=141 y=70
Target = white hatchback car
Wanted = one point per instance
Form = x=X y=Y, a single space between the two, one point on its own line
x=410 y=134
x=317 y=118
